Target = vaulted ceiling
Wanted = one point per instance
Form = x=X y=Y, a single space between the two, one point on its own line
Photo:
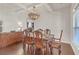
x=18 y=7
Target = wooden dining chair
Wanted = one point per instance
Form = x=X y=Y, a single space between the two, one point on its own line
x=38 y=41
x=29 y=41
x=23 y=41
x=56 y=43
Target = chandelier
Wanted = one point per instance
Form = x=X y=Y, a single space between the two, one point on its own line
x=33 y=14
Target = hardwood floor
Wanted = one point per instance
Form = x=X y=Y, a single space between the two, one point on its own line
x=17 y=49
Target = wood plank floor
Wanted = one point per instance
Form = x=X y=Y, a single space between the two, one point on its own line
x=17 y=49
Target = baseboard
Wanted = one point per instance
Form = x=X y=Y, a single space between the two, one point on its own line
x=75 y=49
x=65 y=42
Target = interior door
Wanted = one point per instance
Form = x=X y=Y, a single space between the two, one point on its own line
x=0 y=26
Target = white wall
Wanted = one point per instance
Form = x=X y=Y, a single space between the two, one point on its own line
x=66 y=24
x=10 y=21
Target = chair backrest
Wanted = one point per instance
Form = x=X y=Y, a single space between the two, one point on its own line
x=28 y=35
x=37 y=34
x=37 y=37
x=59 y=39
x=25 y=32
x=61 y=34
x=38 y=41
x=47 y=31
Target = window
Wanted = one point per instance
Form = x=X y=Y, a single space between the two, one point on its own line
x=30 y=26
x=76 y=27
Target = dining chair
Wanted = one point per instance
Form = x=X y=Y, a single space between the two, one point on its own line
x=29 y=42
x=38 y=41
x=56 y=43
x=47 y=33
x=23 y=41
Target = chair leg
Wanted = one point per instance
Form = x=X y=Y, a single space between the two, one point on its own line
x=34 y=50
x=42 y=51
x=28 y=51
x=24 y=49
x=31 y=49
x=51 y=50
x=59 y=50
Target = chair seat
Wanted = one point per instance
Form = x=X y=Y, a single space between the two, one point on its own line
x=38 y=45
x=29 y=40
x=30 y=43
x=55 y=45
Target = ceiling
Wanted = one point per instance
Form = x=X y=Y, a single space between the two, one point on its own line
x=58 y=6
x=12 y=7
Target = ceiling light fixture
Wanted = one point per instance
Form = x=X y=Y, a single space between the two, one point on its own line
x=33 y=14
